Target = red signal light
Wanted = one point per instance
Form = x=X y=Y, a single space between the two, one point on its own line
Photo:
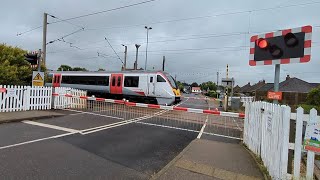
x=262 y=43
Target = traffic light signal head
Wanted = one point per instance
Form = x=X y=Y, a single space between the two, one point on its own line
x=32 y=58
x=281 y=47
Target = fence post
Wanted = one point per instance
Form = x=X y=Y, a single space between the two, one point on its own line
x=310 y=154
x=286 y=111
x=297 y=144
x=27 y=98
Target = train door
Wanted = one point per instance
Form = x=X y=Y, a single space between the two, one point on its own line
x=56 y=81
x=152 y=84
x=116 y=83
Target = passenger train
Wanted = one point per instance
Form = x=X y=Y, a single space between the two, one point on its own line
x=156 y=87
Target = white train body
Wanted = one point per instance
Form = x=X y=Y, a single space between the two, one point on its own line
x=147 y=86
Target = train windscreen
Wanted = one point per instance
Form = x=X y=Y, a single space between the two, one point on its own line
x=172 y=81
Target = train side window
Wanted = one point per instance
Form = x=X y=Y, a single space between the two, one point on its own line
x=113 y=81
x=106 y=80
x=160 y=79
x=131 y=81
x=119 y=81
x=151 y=79
x=66 y=80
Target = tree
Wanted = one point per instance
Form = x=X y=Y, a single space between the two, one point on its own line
x=180 y=85
x=100 y=69
x=79 y=69
x=208 y=85
x=13 y=67
x=194 y=84
x=64 y=67
x=313 y=97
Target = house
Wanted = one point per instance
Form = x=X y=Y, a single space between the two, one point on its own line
x=294 y=90
x=236 y=89
x=196 y=90
x=251 y=90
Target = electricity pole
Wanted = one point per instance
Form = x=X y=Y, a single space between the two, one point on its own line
x=125 y=57
x=163 y=62
x=44 y=39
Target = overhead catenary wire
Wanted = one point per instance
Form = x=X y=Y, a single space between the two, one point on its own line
x=209 y=16
x=66 y=21
x=62 y=38
x=100 y=12
x=169 y=21
x=113 y=50
x=90 y=14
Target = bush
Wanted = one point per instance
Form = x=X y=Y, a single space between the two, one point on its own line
x=307 y=108
x=313 y=97
x=211 y=94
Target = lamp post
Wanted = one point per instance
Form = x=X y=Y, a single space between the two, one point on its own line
x=136 y=63
x=147 y=28
x=125 y=57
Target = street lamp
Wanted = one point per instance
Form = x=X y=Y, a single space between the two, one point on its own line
x=136 y=63
x=125 y=57
x=147 y=28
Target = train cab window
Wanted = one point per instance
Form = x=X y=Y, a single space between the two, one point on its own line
x=131 y=81
x=113 y=81
x=160 y=79
x=151 y=79
x=119 y=81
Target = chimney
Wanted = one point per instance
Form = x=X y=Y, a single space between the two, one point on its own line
x=288 y=77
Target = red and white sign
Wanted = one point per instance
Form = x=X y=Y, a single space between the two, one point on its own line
x=275 y=95
x=307 y=47
x=3 y=90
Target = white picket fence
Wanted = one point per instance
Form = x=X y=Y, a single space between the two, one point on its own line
x=266 y=133
x=245 y=99
x=23 y=98
x=61 y=101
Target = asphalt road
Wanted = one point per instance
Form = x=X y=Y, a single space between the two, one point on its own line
x=194 y=101
x=103 y=142
x=131 y=151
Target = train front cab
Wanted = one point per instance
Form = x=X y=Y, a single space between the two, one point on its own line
x=174 y=87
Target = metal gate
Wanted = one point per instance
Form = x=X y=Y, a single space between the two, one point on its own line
x=209 y=122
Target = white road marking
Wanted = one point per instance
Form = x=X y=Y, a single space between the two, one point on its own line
x=37 y=140
x=170 y=127
x=181 y=103
x=83 y=112
x=84 y=132
x=51 y=126
x=204 y=126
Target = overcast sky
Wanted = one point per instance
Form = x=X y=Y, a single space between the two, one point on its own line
x=198 y=37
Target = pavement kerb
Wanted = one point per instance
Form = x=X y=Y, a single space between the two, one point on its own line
x=172 y=162
x=260 y=166
x=30 y=119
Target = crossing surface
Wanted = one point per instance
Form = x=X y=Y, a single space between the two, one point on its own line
x=105 y=141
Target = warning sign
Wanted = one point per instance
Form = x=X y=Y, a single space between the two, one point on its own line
x=37 y=78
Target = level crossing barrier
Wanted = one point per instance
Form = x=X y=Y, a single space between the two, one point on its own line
x=22 y=98
x=68 y=100
x=210 y=122
x=267 y=131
